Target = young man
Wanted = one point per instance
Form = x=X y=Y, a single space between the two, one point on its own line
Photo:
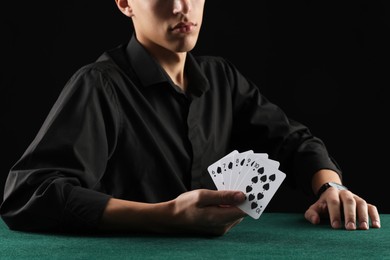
x=127 y=144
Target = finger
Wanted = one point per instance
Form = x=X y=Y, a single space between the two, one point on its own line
x=223 y=229
x=238 y=221
x=333 y=203
x=235 y=223
x=362 y=213
x=221 y=218
x=312 y=214
x=374 y=216
x=225 y=197
x=349 y=204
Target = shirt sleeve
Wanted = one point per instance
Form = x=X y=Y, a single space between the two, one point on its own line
x=300 y=153
x=55 y=185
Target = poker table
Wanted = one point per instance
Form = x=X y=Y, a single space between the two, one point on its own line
x=272 y=236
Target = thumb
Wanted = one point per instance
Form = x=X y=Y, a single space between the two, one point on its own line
x=223 y=197
x=312 y=215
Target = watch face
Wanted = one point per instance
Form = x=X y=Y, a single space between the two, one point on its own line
x=338 y=186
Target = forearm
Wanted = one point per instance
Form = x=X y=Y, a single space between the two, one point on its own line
x=323 y=176
x=126 y=215
x=196 y=211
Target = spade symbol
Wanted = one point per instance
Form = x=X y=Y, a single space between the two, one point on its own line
x=219 y=170
x=242 y=162
x=253 y=205
x=260 y=196
x=230 y=166
x=266 y=186
x=263 y=178
x=251 y=197
x=248 y=189
x=255 y=179
x=272 y=177
x=260 y=170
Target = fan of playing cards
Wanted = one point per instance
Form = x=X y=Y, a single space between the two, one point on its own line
x=252 y=173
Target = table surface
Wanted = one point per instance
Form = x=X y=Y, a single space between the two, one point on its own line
x=272 y=236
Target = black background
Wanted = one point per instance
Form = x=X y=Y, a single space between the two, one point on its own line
x=326 y=63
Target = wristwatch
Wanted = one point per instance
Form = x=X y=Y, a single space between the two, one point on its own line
x=328 y=185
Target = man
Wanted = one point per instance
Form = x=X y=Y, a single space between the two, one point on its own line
x=127 y=143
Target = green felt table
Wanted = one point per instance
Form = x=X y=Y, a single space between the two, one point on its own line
x=272 y=236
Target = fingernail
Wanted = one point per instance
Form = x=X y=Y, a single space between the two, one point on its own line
x=336 y=224
x=239 y=197
x=350 y=226
x=363 y=225
x=376 y=223
x=313 y=219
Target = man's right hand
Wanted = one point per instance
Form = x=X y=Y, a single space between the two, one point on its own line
x=202 y=211
x=208 y=211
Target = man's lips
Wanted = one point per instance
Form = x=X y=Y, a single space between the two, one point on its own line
x=183 y=27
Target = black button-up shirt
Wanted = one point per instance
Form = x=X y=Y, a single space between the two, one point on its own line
x=121 y=128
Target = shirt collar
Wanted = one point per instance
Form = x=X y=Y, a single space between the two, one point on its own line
x=151 y=73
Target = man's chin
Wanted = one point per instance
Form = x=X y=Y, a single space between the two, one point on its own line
x=184 y=44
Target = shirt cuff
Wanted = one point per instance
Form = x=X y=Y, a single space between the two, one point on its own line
x=84 y=209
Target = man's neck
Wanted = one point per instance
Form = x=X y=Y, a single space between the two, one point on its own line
x=173 y=64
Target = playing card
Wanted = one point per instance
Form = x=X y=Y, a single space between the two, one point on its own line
x=252 y=173
x=274 y=163
x=238 y=162
x=246 y=166
x=227 y=167
x=215 y=171
x=259 y=184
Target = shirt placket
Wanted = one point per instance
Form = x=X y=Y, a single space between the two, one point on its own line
x=195 y=138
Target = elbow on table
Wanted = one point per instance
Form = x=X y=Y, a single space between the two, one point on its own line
x=19 y=219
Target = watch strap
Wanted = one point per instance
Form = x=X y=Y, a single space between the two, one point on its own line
x=327 y=185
